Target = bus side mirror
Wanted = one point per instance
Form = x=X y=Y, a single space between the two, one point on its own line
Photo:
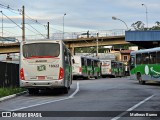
x=73 y=61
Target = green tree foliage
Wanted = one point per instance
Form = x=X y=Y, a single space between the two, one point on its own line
x=139 y=25
x=156 y=27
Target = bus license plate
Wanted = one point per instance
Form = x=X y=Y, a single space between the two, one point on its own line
x=41 y=77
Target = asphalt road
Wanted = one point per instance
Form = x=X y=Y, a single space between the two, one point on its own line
x=96 y=99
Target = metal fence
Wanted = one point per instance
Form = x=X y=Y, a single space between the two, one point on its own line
x=75 y=35
x=9 y=74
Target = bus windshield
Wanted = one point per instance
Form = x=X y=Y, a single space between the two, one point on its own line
x=40 y=50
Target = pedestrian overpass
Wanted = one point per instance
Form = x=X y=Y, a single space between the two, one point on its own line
x=144 y=39
x=6 y=48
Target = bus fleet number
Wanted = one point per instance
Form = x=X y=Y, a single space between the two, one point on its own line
x=53 y=66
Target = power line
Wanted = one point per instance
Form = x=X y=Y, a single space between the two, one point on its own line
x=30 y=30
x=35 y=21
x=8 y=7
x=11 y=20
x=56 y=29
x=36 y=30
x=27 y=16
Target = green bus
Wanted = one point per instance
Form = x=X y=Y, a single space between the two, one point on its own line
x=145 y=65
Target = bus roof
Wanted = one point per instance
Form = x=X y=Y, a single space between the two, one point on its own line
x=146 y=50
x=44 y=40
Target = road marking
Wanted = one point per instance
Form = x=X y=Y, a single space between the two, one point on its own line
x=69 y=97
x=132 y=108
x=75 y=92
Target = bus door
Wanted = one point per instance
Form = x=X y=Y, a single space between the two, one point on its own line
x=92 y=67
x=132 y=62
x=132 y=66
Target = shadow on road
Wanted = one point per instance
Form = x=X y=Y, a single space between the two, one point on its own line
x=49 y=92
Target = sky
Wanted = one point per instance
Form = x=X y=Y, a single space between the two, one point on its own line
x=81 y=15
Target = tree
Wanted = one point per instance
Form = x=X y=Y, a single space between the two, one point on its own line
x=139 y=25
x=156 y=27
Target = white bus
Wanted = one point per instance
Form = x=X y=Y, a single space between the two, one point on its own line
x=112 y=68
x=79 y=67
x=105 y=68
x=86 y=67
x=45 y=64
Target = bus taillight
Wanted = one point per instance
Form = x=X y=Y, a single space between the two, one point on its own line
x=22 y=74
x=80 y=69
x=61 y=73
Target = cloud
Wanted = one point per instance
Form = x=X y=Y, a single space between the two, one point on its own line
x=85 y=14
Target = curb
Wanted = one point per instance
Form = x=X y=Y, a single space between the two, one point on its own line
x=12 y=96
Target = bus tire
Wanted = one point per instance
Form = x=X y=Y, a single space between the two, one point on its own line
x=103 y=76
x=33 y=91
x=65 y=90
x=139 y=78
x=30 y=91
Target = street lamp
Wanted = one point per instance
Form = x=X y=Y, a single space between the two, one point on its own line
x=2 y=23
x=146 y=14
x=63 y=25
x=114 y=18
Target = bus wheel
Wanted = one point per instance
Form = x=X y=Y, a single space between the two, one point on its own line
x=30 y=91
x=103 y=76
x=33 y=91
x=139 y=78
x=65 y=90
x=96 y=77
x=69 y=88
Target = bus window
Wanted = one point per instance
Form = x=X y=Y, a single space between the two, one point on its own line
x=132 y=61
x=158 y=57
x=83 y=62
x=138 y=59
x=89 y=62
x=41 y=49
x=145 y=58
x=66 y=57
x=152 y=58
x=96 y=63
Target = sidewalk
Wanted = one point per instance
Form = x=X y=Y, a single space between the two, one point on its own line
x=12 y=96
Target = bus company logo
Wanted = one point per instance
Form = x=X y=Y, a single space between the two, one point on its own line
x=41 y=61
x=41 y=68
x=6 y=114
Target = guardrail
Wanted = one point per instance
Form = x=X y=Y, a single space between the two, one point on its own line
x=70 y=35
x=76 y=35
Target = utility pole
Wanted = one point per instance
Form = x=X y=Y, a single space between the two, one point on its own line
x=97 y=44
x=48 y=30
x=23 y=24
x=2 y=23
